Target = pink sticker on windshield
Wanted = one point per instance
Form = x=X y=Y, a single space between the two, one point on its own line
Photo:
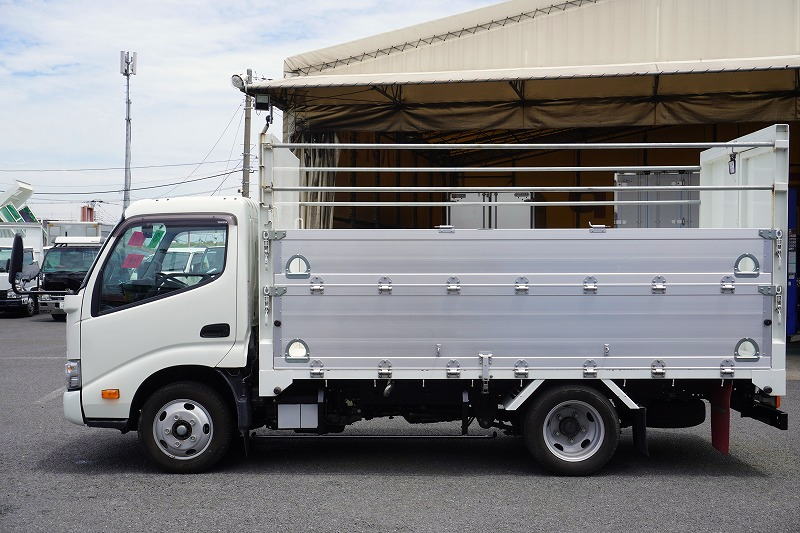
x=132 y=260
x=137 y=239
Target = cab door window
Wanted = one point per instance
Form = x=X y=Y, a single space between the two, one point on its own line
x=141 y=267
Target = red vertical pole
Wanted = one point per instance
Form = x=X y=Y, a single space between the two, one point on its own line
x=721 y=416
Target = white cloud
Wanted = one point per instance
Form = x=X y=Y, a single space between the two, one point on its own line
x=61 y=93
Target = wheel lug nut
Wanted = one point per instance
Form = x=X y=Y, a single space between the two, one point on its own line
x=191 y=422
x=192 y=438
x=556 y=433
x=558 y=417
x=166 y=430
x=571 y=441
x=177 y=444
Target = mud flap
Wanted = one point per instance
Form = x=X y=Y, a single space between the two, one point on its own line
x=720 y=399
x=640 y=430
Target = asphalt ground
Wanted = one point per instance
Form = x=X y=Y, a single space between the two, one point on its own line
x=57 y=476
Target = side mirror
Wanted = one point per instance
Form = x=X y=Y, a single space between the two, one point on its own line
x=30 y=271
x=15 y=263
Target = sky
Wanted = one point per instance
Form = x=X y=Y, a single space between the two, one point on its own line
x=62 y=103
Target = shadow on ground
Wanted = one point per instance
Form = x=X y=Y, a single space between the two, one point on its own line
x=673 y=454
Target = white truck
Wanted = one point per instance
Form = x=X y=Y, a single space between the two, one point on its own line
x=561 y=336
x=33 y=246
x=64 y=267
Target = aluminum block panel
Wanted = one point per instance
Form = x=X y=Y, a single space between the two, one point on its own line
x=351 y=321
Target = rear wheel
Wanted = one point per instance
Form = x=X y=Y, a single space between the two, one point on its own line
x=571 y=430
x=186 y=427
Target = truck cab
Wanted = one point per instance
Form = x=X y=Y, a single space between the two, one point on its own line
x=64 y=267
x=10 y=302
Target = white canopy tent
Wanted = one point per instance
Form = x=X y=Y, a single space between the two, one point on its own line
x=540 y=64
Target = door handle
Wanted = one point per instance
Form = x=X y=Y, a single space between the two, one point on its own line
x=211 y=331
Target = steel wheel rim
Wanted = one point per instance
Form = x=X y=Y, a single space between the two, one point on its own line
x=573 y=431
x=183 y=429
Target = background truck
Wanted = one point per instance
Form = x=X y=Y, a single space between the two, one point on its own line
x=561 y=336
x=33 y=246
x=63 y=269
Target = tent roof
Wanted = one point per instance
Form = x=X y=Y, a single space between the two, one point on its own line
x=505 y=60
x=530 y=73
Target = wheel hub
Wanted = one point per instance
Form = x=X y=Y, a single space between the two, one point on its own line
x=183 y=429
x=573 y=431
x=569 y=426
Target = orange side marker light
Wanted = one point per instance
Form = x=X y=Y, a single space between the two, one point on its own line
x=109 y=394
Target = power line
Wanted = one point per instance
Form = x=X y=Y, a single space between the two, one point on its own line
x=59 y=193
x=233 y=145
x=113 y=168
x=228 y=125
x=169 y=179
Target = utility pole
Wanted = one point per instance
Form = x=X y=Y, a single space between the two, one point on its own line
x=248 y=107
x=127 y=67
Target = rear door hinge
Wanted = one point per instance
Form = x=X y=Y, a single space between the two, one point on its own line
x=726 y=369
x=486 y=362
x=274 y=235
x=274 y=291
x=774 y=235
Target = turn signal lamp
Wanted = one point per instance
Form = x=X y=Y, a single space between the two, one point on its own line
x=109 y=394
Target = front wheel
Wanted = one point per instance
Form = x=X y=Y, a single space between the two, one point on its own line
x=186 y=427
x=571 y=430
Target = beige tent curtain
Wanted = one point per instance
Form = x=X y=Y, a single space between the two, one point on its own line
x=317 y=216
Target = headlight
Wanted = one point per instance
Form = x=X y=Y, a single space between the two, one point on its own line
x=73 y=374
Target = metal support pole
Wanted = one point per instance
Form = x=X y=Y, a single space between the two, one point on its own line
x=248 y=107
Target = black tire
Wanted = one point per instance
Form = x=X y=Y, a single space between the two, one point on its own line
x=29 y=309
x=59 y=317
x=534 y=425
x=218 y=411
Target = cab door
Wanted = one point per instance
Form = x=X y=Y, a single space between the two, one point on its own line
x=137 y=319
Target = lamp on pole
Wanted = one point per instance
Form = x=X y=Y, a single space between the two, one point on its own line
x=127 y=67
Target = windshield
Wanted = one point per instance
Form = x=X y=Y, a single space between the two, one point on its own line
x=5 y=256
x=69 y=259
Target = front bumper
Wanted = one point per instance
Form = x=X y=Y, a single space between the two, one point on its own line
x=13 y=304
x=72 y=407
x=51 y=304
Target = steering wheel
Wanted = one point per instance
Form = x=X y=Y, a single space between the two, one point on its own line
x=162 y=279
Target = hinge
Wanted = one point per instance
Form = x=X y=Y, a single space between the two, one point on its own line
x=385 y=285
x=274 y=235
x=726 y=369
x=274 y=291
x=446 y=228
x=521 y=369
x=317 y=369
x=453 y=369
x=727 y=285
x=521 y=286
x=658 y=285
x=385 y=369
x=486 y=361
x=590 y=369
x=658 y=369
x=317 y=286
x=597 y=228
x=453 y=285
x=770 y=234
x=590 y=285
x=769 y=290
